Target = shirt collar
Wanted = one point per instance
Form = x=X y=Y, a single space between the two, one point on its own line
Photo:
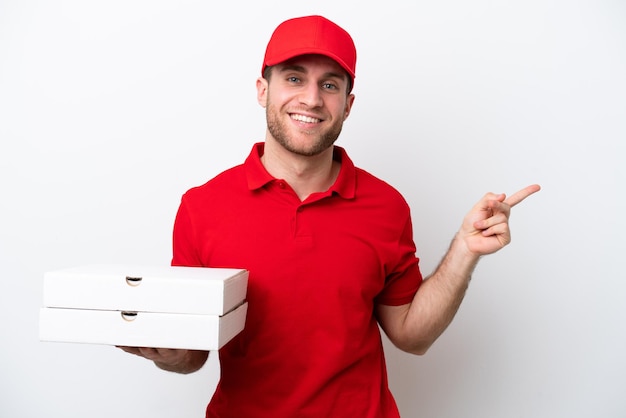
x=344 y=186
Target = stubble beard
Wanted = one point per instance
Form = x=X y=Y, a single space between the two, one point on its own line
x=279 y=132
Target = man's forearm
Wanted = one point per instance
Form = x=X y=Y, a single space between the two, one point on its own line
x=438 y=299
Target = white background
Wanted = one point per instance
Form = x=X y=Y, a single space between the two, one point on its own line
x=109 y=111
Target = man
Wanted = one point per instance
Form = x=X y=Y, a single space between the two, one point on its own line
x=329 y=248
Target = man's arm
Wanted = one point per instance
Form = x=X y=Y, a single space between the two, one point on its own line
x=178 y=361
x=414 y=327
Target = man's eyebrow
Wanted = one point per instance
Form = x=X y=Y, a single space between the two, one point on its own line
x=292 y=67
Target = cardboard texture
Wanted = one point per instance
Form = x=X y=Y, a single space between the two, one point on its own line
x=144 y=306
x=194 y=290
x=144 y=329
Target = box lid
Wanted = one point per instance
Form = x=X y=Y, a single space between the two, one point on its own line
x=167 y=289
x=141 y=329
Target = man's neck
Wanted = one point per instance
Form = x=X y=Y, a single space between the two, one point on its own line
x=306 y=175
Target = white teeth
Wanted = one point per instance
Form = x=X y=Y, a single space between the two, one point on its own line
x=303 y=118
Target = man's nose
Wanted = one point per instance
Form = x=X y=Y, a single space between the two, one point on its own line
x=311 y=95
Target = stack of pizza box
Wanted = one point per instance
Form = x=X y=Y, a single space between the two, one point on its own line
x=144 y=306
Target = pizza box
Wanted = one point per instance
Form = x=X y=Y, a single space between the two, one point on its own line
x=141 y=329
x=162 y=289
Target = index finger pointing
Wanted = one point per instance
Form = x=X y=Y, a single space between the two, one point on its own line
x=517 y=197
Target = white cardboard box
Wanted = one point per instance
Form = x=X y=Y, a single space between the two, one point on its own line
x=141 y=329
x=193 y=290
x=145 y=306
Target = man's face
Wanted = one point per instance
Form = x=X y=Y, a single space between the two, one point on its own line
x=306 y=103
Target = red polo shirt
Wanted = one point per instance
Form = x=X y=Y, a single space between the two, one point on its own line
x=311 y=346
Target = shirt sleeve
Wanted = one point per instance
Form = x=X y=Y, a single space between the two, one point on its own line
x=404 y=278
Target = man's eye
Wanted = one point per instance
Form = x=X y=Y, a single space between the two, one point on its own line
x=293 y=79
x=329 y=86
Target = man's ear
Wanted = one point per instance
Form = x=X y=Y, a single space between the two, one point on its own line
x=349 y=103
x=261 y=91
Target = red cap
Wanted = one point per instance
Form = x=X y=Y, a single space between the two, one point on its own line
x=311 y=35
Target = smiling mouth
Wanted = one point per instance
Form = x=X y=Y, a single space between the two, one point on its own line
x=303 y=118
